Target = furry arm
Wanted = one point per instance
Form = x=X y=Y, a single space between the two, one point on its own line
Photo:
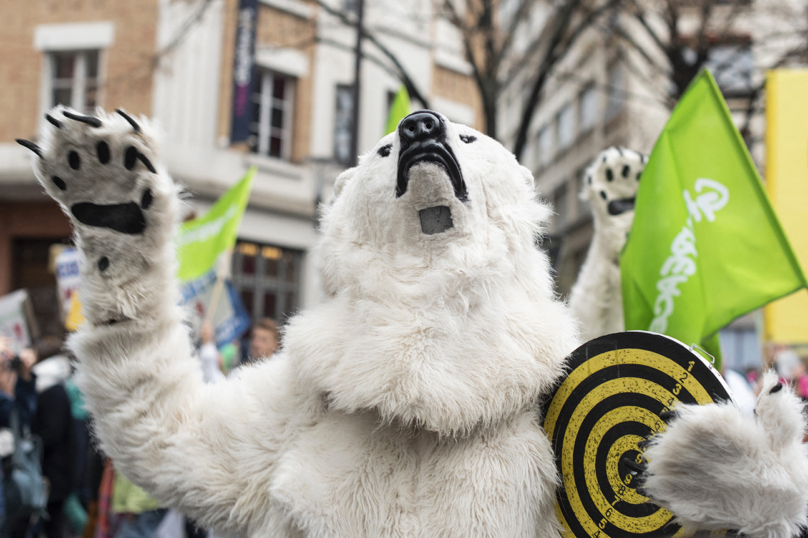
x=595 y=298
x=716 y=468
x=191 y=445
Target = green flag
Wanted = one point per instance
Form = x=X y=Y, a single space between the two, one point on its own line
x=706 y=245
x=399 y=109
x=202 y=240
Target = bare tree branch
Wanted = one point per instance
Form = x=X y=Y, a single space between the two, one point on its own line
x=640 y=16
x=513 y=25
x=479 y=24
x=628 y=38
x=401 y=72
x=553 y=53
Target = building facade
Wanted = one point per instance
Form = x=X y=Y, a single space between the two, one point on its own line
x=613 y=88
x=174 y=61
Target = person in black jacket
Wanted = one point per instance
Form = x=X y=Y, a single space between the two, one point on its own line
x=17 y=394
x=54 y=424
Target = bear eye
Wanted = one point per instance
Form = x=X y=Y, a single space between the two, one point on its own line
x=384 y=151
x=468 y=139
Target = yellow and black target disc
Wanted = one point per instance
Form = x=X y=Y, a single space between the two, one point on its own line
x=612 y=398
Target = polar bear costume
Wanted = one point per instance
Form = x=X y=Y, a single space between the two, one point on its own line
x=402 y=406
x=612 y=181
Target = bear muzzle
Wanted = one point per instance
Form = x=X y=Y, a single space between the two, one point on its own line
x=422 y=137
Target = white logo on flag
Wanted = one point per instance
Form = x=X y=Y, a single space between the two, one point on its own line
x=681 y=264
x=710 y=202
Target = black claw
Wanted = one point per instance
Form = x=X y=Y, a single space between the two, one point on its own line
x=644 y=444
x=634 y=466
x=609 y=174
x=129 y=118
x=59 y=182
x=103 y=263
x=777 y=388
x=146 y=162
x=53 y=121
x=30 y=145
x=89 y=120
x=667 y=416
x=626 y=170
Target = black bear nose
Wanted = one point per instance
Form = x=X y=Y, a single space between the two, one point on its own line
x=419 y=126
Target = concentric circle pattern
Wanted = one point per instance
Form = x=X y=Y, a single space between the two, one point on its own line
x=617 y=387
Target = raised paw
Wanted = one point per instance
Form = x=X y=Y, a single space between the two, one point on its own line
x=612 y=180
x=716 y=468
x=105 y=173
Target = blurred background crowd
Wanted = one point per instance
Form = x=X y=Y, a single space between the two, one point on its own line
x=84 y=496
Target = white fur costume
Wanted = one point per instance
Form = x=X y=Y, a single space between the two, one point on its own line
x=403 y=406
x=611 y=185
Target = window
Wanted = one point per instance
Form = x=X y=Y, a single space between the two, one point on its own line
x=545 y=140
x=267 y=278
x=588 y=108
x=271 y=126
x=732 y=66
x=74 y=79
x=343 y=124
x=566 y=127
x=616 y=97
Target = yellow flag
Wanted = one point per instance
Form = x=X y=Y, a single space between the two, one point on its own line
x=786 y=320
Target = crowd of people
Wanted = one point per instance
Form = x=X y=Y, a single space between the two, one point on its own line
x=55 y=481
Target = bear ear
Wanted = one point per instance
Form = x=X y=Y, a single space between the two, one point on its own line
x=342 y=179
x=527 y=175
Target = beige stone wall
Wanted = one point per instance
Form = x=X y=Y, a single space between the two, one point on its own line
x=280 y=29
x=460 y=88
x=127 y=62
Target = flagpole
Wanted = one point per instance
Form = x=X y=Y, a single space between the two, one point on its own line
x=221 y=275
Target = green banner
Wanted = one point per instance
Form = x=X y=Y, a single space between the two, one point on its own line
x=706 y=246
x=201 y=241
x=399 y=110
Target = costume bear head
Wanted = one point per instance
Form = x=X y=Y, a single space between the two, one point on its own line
x=441 y=311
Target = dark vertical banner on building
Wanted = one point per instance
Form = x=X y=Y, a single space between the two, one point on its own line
x=243 y=71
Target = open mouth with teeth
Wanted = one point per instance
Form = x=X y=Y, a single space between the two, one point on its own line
x=618 y=207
